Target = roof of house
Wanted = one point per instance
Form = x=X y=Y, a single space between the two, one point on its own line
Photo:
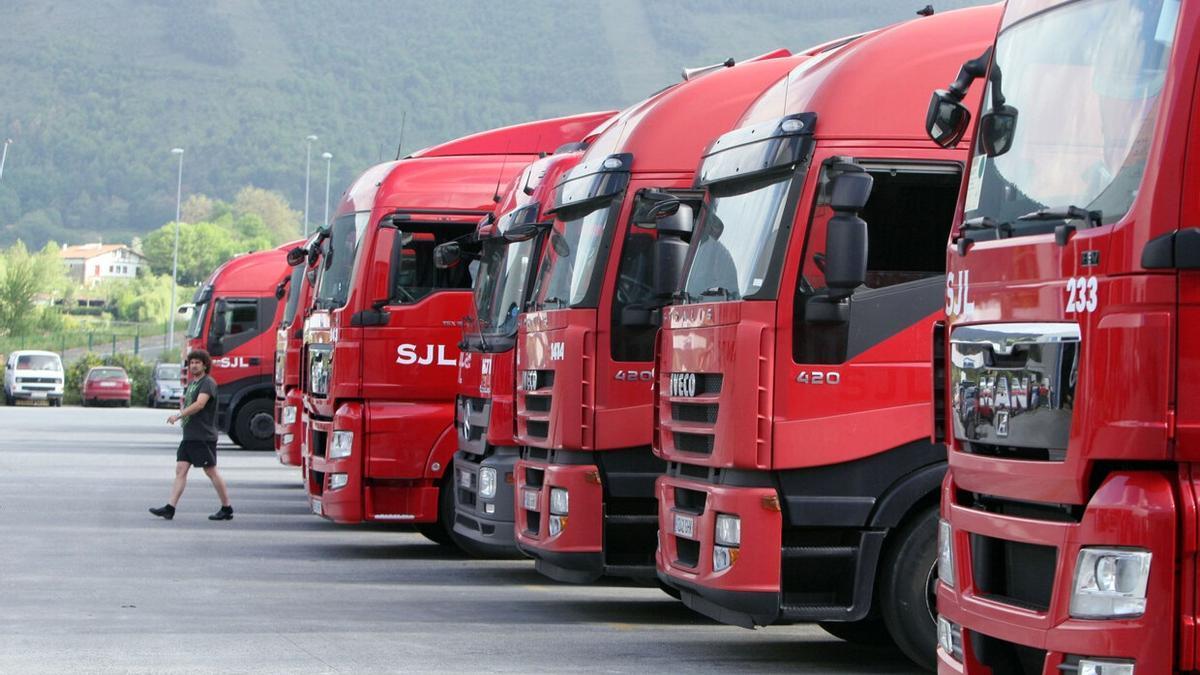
x=88 y=251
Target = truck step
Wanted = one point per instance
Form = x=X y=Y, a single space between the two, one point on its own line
x=820 y=551
x=792 y=612
x=631 y=520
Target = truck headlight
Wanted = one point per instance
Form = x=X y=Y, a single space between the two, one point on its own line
x=724 y=557
x=950 y=638
x=1098 y=667
x=341 y=444
x=1110 y=583
x=945 y=563
x=487 y=482
x=560 y=503
x=338 y=481
x=728 y=530
x=289 y=414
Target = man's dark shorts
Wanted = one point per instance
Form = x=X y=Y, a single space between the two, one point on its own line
x=198 y=453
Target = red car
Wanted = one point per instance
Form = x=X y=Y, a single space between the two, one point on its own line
x=106 y=384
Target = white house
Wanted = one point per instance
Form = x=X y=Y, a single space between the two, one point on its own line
x=89 y=264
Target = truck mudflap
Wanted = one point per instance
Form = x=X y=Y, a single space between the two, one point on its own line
x=485 y=524
x=1015 y=572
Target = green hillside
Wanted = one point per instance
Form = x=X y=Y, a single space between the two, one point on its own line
x=96 y=94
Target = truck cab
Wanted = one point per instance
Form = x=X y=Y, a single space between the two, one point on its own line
x=509 y=250
x=296 y=291
x=585 y=347
x=1068 y=538
x=793 y=391
x=235 y=316
x=381 y=342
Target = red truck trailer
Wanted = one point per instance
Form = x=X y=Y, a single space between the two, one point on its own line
x=793 y=387
x=585 y=481
x=380 y=344
x=235 y=315
x=1069 y=534
x=509 y=250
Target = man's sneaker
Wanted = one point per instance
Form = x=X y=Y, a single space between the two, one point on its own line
x=225 y=513
x=165 y=511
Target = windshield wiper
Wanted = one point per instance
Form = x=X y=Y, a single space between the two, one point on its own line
x=717 y=291
x=1092 y=218
x=555 y=300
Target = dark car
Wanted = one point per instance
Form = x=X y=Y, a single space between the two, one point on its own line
x=166 y=386
x=106 y=384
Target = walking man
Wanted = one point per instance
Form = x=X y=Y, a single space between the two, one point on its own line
x=199 y=445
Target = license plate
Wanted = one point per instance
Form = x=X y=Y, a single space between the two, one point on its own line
x=316 y=506
x=685 y=526
x=108 y=384
x=464 y=479
x=39 y=394
x=530 y=499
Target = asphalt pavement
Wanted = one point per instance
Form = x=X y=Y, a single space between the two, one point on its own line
x=91 y=582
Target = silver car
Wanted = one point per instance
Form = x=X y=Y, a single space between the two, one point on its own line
x=166 y=385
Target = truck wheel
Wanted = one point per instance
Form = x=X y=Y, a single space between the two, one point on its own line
x=254 y=427
x=909 y=578
x=870 y=631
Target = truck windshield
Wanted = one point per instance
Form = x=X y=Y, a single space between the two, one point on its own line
x=1085 y=79
x=735 y=243
x=196 y=323
x=512 y=269
x=293 y=291
x=568 y=265
x=338 y=256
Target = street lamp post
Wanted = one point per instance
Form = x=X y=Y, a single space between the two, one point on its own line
x=175 y=255
x=328 y=157
x=4 y=156
x=307 y=165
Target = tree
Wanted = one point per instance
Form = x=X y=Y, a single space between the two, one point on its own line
x=196 y=208
x=23 y=277
x=282 y=221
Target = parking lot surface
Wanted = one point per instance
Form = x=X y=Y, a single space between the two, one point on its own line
x=91 y=582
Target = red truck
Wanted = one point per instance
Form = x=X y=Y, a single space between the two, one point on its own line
x=585 y=351
x=793 y=380
x=380 y=344
x=509 y=250
x=235 y=316
x=296 y=291
x=1070 y=511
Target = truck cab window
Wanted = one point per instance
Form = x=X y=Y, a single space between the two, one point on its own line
x=414 y=274
x=908 y=217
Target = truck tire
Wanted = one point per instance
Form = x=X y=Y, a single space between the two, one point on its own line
x=909 y=575
x=870 y=631
x=254 y=426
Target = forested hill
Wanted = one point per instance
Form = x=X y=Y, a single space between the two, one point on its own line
x=95 y=93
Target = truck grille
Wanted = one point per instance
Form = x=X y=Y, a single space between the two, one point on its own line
x=537 y=429
x=472 y=417
x=1006 y=657
x=700 y=444
x=694 y=412
x=1014 y=573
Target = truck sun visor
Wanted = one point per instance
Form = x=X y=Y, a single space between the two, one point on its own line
x=592 y=180
x=762 y=148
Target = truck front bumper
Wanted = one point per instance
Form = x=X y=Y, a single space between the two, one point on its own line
x=565 y=546
x=486 y=524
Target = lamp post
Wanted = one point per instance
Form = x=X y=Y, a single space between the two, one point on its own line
x=4 y=155
x=328 y=157
x=307 y=165
x=175 y=255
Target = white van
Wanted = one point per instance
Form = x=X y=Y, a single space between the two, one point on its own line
x=32 y=375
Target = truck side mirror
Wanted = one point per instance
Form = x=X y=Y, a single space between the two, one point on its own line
x=447 y=255
x=671 y=247
x=381 y=268
x=947 y=119
x=296 y=255
x=846 y=233
x=996 y=130
x=525 y=231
